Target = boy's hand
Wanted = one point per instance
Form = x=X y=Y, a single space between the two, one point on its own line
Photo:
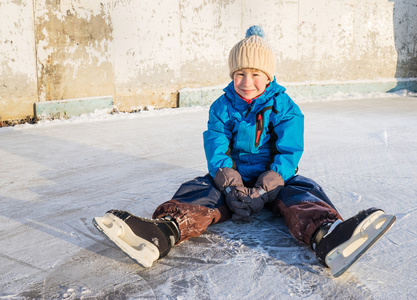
x=228 y=181
x=227 y=177
x=269 y=184
x=251 y=200
x=245 y=202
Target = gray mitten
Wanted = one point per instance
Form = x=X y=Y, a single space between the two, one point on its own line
x=269 y=184
x=230 y=183
x=252 y=200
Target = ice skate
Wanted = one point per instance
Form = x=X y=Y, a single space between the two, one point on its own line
x=143 y=240
x=341 y=244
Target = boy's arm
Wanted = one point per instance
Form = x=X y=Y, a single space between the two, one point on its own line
x=217 y=140
x=287 y=142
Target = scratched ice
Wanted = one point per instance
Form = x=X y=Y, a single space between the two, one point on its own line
x=57 y=175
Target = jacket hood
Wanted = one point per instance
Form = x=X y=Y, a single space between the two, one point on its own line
x=273 y=89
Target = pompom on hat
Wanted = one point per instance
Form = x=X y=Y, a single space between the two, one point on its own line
x=253 y=52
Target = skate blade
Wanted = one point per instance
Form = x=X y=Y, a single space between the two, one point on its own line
x=363 y=238
x=138 y=249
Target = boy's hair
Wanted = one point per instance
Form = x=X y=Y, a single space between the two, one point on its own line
x=253 y=52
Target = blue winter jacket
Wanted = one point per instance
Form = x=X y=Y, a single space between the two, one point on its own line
x=267 y=134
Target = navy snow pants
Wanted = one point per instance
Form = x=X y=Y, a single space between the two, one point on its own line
x=197 y=204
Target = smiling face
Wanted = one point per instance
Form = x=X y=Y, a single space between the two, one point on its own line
x=250 y=83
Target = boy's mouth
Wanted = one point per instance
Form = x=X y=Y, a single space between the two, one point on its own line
x=246 y=94
x=248 y=91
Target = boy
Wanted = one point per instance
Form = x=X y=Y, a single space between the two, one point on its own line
x=253 y=145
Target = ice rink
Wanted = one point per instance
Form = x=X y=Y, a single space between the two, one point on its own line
x=56 y=176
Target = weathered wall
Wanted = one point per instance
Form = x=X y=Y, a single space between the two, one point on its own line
x=18 y=82
x=405 y=35
x=74 y=49
x=161 y=46
x=146 y=52
x=143 y=52
x=331 y=40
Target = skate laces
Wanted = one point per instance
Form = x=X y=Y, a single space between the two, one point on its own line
x=334 y=225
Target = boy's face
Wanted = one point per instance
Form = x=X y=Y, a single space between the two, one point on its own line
x=250 y=83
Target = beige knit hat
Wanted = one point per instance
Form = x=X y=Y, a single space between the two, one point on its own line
x=253 y=52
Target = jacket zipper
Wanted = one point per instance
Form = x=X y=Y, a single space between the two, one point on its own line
x=259 y=128
x=247 y=113
x=260 y=123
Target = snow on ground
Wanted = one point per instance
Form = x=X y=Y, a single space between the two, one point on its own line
x=56 y=176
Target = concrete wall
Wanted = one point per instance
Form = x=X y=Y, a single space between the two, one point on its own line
x=74 y=49
x=142 y=52
x=18 y=80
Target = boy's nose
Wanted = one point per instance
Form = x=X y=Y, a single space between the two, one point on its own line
x=246 y=81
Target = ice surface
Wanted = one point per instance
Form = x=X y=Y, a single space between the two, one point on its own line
x=56 y=176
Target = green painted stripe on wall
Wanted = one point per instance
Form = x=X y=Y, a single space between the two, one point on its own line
x=206 y=96
x=71 y=107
